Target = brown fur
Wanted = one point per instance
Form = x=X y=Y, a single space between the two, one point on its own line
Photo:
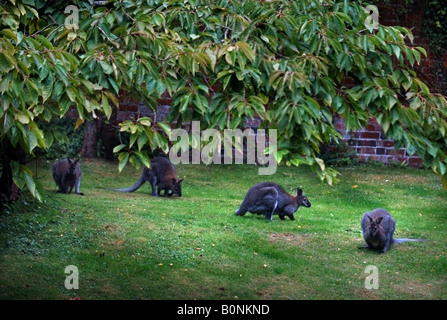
x=162 y=176
x=67 y=175
x=268 y=198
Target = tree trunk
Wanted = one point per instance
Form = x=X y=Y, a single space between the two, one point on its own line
x=89 y=147
x=107 y=135
x=8 y=189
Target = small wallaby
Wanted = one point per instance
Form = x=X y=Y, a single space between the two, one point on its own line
x=67 y=175
x=161 y=175
x=268 y=198
x=378 y=229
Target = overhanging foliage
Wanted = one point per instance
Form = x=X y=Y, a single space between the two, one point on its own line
x=221 y=62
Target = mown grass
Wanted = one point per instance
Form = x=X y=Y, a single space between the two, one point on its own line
x=135 y=246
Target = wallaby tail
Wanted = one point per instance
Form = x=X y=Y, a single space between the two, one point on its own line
x=136 y=186
x=403 y=240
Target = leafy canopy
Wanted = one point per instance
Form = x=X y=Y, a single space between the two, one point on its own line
x=221 y=62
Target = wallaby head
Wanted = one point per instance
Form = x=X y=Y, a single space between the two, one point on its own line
x=177 y=186
x=302 y=199
x=71 y=170
x=373 y=228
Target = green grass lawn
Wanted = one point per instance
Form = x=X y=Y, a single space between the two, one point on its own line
x=135 y=246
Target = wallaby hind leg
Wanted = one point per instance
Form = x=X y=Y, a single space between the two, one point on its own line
x=153 y=182
x=269 y=198
x=386 y=247
x=269 y=214
x=78 y=187
x=267 y=207
x=265 y=203
x=389 y=233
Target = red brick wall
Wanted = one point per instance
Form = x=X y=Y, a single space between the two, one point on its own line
x=371 y=144
x=131 y=108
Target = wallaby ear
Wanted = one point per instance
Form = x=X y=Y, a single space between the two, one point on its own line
x=180 y=181
x=369 y=218
x=299 y=192
x=379 y=220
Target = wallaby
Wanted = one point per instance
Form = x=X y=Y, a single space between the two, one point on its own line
x=67 y=175
x=268 y=198
x=161 y=174
x=378 y=229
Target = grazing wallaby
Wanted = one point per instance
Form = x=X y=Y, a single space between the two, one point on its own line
x=67 y=175
x=378 y=228
x=268 y=198
x=161 y=174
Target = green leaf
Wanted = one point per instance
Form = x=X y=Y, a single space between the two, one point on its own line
x=422 y=50
x=432 y=150
x=31 y=140
x=22 y=117
x=313 y=105
x=118 y=148
x=158 y=19
x=165 y=127
x=145 y=121
x=442 y=168
x=143 y=158
x=132 y=140
x=47 y=44
x=391 y=101
x=9 y=33
x=142 y=141
x=396 y=50
x=7 y=62
x=123 y=158
x=247 y=50
x=106 y=67
x=61 y=73
x=106 y=108
x=344 y=61
x=30 y=184
x=72 y=93
x=114 y=85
